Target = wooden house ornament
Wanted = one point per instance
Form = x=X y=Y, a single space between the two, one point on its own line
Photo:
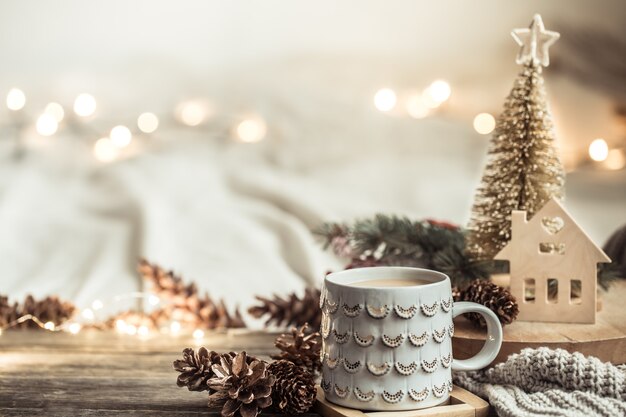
x=551 y=251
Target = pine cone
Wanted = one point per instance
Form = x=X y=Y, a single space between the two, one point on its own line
x=8 y=312
x=195 y=368
x=183 y=302
x=496 y=298
x=243 y=387
x=294 y=391
x=301 y=347
x=49 y=309
x=290 y=311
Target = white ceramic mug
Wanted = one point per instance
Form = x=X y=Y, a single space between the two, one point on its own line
x=390 y=348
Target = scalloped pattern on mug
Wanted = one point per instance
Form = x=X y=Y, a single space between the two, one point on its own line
x=440 y=335
x=363 y=341
x=379 y=370
x=429 y=366
x=406 y=369
x=451 y=330
x=325 y=327
x=326 y=386
x=446 y=361
x=450 y=386
x=405 y=313
x=331 y=306
x=419 y=395
x=420 y=340
x=351 y=368
x=441 y=390
x=342 y=392
x=351 y=311
x=446 y=305
x=378 y=312
x=323 y=293
x=393 y=342
x=363 y=396
x=341 y=338
x=332 y=363
x=393 y=398
x=430 y=310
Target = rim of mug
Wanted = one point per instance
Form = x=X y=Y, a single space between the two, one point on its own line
x=440 y=277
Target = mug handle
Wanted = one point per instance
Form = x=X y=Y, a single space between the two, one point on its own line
x=493 y=341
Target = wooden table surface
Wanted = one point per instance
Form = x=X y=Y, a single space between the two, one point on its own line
x=106 y=374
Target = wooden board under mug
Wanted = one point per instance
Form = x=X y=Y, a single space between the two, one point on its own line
x=606 y=339
x=462 y=403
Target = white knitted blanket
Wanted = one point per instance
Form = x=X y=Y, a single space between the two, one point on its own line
x=545 y=382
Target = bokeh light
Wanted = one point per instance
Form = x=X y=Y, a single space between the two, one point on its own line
x=251 y=130
x=484 y=123
x=147 y=122
x=385 y=99
x=598 y=150
x=16 y=99
x=84 y=105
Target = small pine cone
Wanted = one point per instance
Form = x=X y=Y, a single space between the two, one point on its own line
x=290 y=311
x=8 y=312
x=496 y=298
x=294 y=391
x=456 y=293
x=301 y=347
x=242 y=384
x=195 y=368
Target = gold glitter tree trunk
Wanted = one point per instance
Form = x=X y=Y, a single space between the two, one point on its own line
x=523 y=170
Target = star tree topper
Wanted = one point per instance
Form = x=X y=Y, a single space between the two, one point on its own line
x=534 y=42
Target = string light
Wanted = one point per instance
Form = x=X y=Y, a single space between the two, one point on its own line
x=192 y=113
x=131 y=329
x=55 y=110
x=97 y=304
x=439 y=91
x=598 y=150
x=615 y=160
x=120 y=325
x=74 y=328
x=120 y=136
x=49 y=326
x=251 y=130
x=385 y=99
x=16 y=99
x=104 y=150
x=143 y=330
x=484 y=123
x=153 y=300
x=46 y=125
x=88 y=314
x=147 y=122
x=174 y=327
x=416 y=108
x=84 y=105
x=198 y=334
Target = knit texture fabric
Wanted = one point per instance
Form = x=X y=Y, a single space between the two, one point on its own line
x=546 y=382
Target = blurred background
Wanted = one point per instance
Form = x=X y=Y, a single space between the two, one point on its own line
x=211 y=137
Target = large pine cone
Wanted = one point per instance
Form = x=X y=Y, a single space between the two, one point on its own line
x=294 y=391
x=301 y=347
x=48 y=309
x=243 y=386
x=195 y=368
x=496 y=298
x=290 y=311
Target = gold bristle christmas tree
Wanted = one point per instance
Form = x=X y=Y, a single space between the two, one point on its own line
x=523 y=170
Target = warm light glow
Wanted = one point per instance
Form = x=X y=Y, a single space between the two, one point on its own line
x=55 y=110
x=46 y=125
x=131 y=329
x=84 y=105
x=16 y=99
x=615 y=159
x=439 y=91
x=104 y=150
x=49 y=325
x=192 y=113
x=484 y=123
x=175 y=327
x=97 y=304
x=147 y=122
x=198 y=334
x=74 y=328
x=385 y=99
x=120 y=325
x=598 y=150
x=251 y=130
x=143 y=330
x=121 y=136
x=0 y=332
x=88 y=314
x=416 y=107
x=153 y=300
